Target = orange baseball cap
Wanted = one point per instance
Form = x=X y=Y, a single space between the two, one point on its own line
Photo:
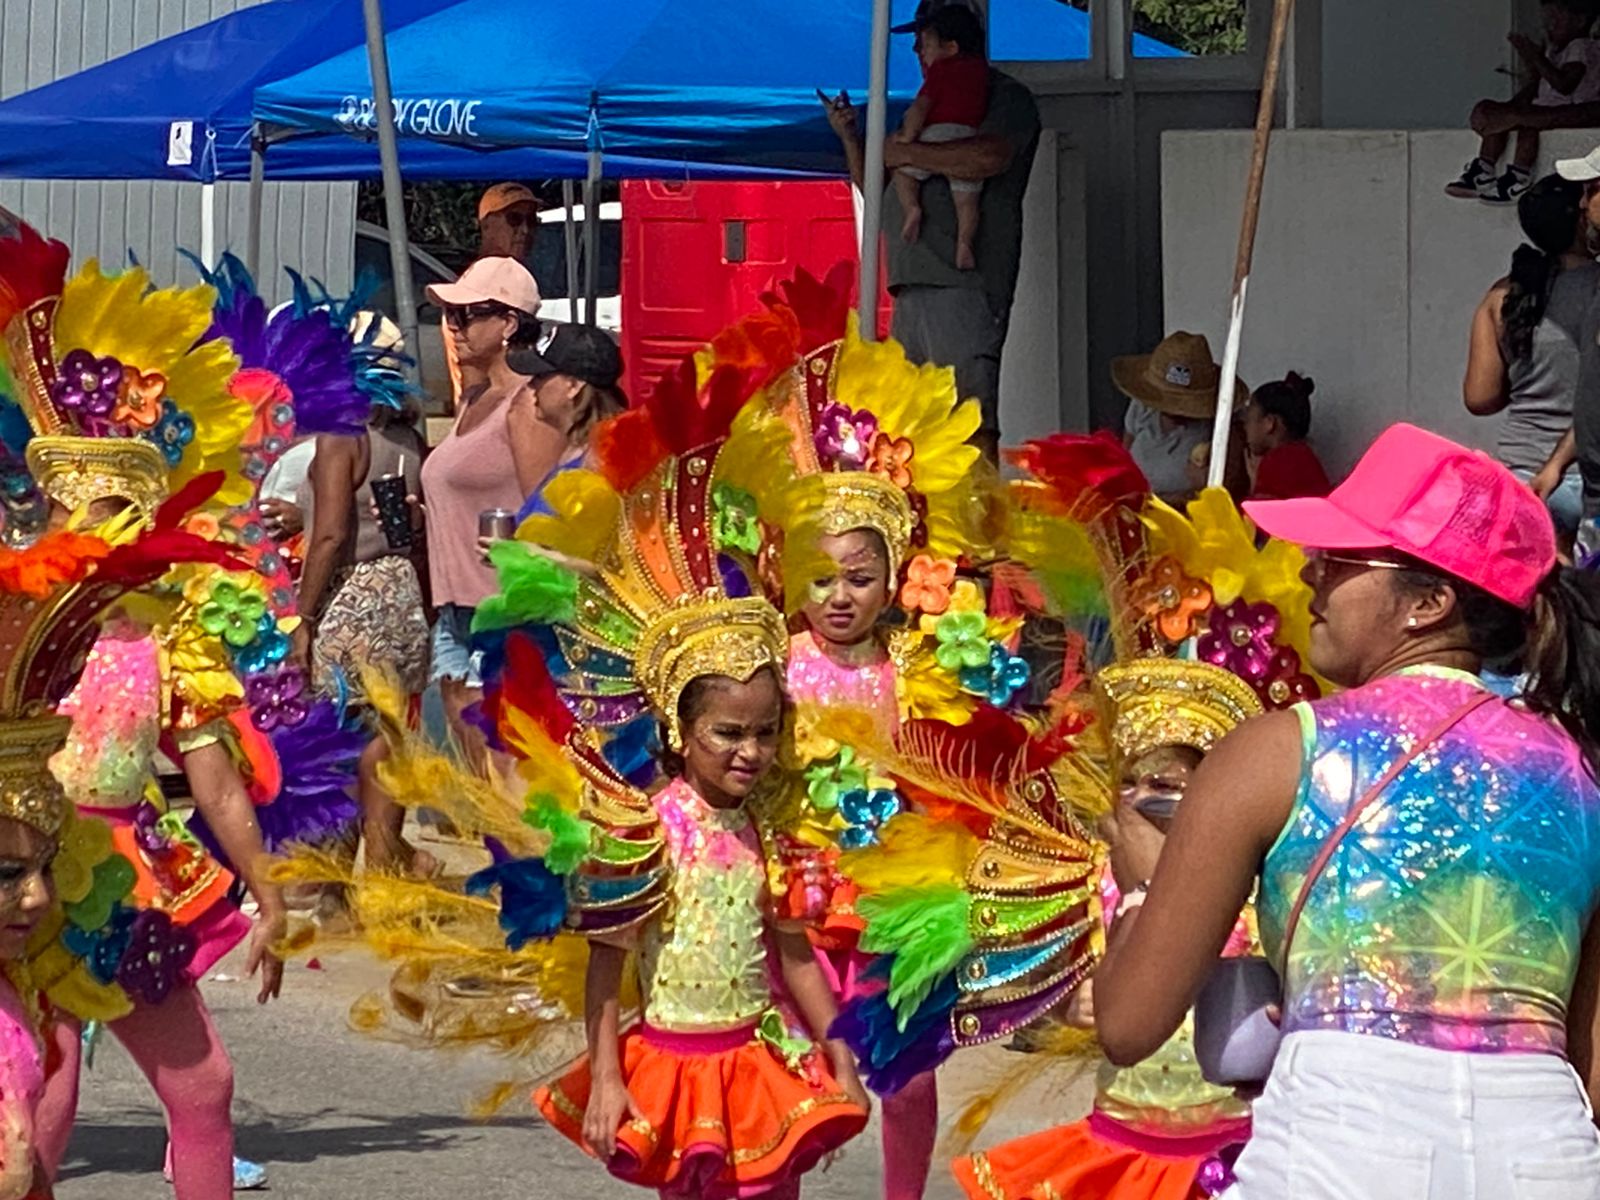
x=498 y=279
x=504 y=195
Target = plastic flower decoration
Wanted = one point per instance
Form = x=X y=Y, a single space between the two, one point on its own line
x=844 y=437
x=927 y=586
x=233 y=612
x=158 y=953
x=87 y=386
x=735 y=526
x=102 y=947
x=278 y=698
x=172 y=433
x=828 y=782
x=866 y=810
x=1171 y=599
x=999 y=679
x=141 y=399
x=1287 y=683
x=1240 y=639
x=266 y=650
x=109 y=883
x=963 y=639
x=891 y=458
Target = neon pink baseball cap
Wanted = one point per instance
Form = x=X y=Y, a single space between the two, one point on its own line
x=1442 y=504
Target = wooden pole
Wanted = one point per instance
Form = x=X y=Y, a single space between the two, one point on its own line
x=1223 y=428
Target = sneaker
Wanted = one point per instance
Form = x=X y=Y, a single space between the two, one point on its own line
x=247 y=1176
x=1475 y=176
x=1508 y=187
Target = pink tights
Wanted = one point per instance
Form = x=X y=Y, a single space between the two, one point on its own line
x=177 y=1047
x=910 y=1127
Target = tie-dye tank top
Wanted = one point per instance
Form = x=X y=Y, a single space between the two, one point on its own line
x=1452 y=915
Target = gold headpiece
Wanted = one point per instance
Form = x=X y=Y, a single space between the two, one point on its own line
x=1172 y=702
x=28 y=791
x=706 y=635
x=862 y=500
x=73 y=471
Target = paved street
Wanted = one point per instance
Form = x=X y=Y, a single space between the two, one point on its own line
x=338 y=1116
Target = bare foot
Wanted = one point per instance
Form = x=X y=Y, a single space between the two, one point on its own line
x=911 y=227
x=966 y=260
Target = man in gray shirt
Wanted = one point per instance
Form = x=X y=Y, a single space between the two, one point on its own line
x=943 y=314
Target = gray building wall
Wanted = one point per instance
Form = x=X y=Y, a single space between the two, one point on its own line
x=306 y=226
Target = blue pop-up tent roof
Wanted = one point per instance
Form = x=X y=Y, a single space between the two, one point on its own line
x=115 y=120
x=731 y=83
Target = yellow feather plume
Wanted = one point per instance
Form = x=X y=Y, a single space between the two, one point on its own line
x=913 y=851
x=587 y=509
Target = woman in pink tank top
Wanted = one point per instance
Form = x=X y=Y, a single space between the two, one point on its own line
x=494 y=457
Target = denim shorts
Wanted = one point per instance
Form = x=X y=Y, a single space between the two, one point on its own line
x=453 y=655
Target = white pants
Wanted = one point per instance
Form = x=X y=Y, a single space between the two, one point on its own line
x=1351 y=1117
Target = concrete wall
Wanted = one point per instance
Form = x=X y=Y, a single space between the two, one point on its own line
x=1366 y=274
x=307 y=226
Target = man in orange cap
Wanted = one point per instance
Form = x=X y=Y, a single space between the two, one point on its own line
x=508 y=222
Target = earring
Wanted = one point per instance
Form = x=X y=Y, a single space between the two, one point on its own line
x=1411 y=623
x=505 y=343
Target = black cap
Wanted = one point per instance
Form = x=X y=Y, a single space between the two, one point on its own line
x=580 y=351
x=925 y=12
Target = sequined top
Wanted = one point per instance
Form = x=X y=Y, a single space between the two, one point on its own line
x=815 y=678
x=116 y=712
x=1453 y=916
x=704 y=966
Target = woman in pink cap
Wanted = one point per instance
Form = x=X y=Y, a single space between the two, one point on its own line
x=495 y=455
x=1428 y=854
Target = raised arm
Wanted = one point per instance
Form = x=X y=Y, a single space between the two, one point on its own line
x=1160 y=954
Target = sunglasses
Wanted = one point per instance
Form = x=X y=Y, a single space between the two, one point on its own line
x=1319 y=559
x=459 y=316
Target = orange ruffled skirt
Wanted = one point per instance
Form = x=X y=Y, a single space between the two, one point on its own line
x=1095 y=1159
x=722 y=1115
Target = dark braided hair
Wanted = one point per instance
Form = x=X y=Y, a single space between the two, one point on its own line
x=1549 y=212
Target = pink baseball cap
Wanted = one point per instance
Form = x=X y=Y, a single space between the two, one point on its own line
x=1442 y=504
x=498 y=279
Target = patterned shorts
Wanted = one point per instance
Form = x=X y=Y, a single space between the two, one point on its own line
x=374 y=620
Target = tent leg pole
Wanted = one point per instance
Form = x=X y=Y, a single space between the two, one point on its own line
x=569 y=235
x=591 y=240
x=872 y=183
x=405 y=295
x=208 y=225
x=258 y=175
x=1222 y=431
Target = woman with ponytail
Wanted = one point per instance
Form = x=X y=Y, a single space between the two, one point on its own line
x=1428 y=853
x=1524 y=353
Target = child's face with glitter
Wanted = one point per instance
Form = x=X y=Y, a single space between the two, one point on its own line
x=730 y=735
x=1155 y=781
x=26 y=889
x=843 y=607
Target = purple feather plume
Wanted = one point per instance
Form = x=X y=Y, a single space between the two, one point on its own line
x=319 y=758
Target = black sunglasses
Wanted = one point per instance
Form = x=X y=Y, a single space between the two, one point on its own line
x=460 y=316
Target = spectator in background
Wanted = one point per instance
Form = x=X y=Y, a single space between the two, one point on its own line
x=508 y=222
x=1526 y=347
x=1566 y=72
x=943 y=314
x=1276 y=422
x=497 y=452
x=1172 y=405
x=949 y=107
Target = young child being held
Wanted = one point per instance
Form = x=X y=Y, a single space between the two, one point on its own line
x=1566 y=70
x=951 y=105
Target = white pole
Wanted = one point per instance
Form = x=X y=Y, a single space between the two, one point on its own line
x=872 y=173
x=258 y=175
x=208 y=225
x=405 y=294
x=1222 y=430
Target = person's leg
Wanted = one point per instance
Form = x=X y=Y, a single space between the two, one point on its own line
x=58 y=1103
x=964 y=330
x=908 y=322
x=178 y=1048
x=968 y=203
x=458 y=697
x=1527 y=149
x=909 y=189
x=910 y=1128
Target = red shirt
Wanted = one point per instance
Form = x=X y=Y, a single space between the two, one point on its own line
x=957 y=89
x=1289 y=472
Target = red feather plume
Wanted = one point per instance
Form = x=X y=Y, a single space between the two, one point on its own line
x=822 y=307
x=31 y=269
x=1074 y=464
x=526 y=686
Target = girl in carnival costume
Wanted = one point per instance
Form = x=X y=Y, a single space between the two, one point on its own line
x=1083 y=518
x=627 y=621
x=131 y=394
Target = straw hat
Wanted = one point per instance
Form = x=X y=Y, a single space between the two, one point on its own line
x=1179 y=378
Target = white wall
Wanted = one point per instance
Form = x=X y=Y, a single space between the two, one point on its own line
x=1366 y=274
x=1412 y=64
